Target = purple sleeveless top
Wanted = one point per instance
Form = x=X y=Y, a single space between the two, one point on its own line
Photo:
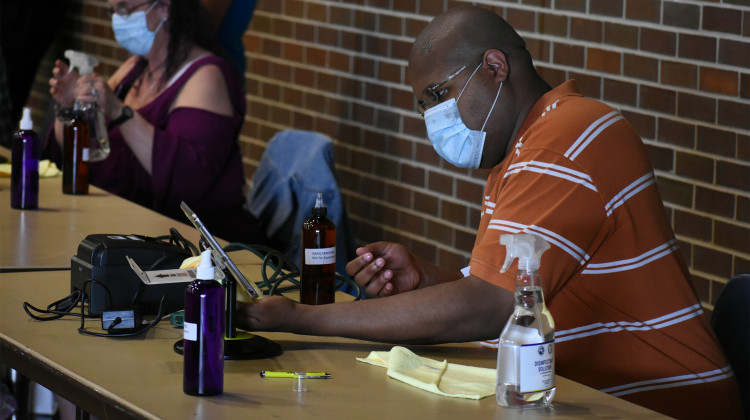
x=196 y=159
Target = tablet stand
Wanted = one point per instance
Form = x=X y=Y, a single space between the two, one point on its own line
x=239 y=345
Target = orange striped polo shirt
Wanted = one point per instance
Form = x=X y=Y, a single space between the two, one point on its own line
x=627 y=320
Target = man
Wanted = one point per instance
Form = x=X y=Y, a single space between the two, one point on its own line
x=566 y=168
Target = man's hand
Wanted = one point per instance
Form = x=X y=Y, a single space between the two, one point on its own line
x=386 y=268
x=272 y=313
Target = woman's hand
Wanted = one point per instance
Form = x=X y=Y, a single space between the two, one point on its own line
x=62 y=85
x=385 y=268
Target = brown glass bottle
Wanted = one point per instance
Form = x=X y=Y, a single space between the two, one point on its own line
x=318 y=255
x=75 y=156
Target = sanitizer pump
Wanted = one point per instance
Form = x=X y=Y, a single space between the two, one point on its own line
x=526 y=349
x=90 y=111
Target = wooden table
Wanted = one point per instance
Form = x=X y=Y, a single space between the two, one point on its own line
x=47 y=237
x=142 y=377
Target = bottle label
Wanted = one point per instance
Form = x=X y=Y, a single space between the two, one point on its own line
x=537 y=367
x=85 y=154
x=320 y=256
x=190 y=331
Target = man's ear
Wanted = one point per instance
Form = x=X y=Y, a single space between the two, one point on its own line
x=498 y=62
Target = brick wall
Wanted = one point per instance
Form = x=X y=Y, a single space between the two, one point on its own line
x=679 y=70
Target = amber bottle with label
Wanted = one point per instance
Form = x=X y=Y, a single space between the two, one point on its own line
x=76 y=154
x=318 y=265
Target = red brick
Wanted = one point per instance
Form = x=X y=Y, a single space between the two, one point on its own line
x=589 y=85
x=675 y=192
x=681 y=14
x=553 y=24
x=453 y=212
x=404 y=6
x=745 y=86
x=621 y=35
x=697 y=47
x=657 y=99
x=340 y=15
x=702 y=287
x=734 y=114
x=733 y=175
x=694 y=166
x=712 y=262
x=719 y=81
x=539 y=49
x=693 y=225
x=607 y=7
x=521 y=20
x=722 y=19
x=714 y=202
x=732 y=236
x=662 y=158
x=648 y=10
x=676 y=132
x=426 y=204
x=568 y=55
x=658 y=41
x=391 y=24
x=641 y=67
x=743 y=209
x=572 y=5
x=430 y=8
x=679 y=74
x=603 y=60
x=716 y=141
x=743 y=147
x=734 y=53
x=696 y=107
x=586 y=29
x=441 y=183
x=644 y=124
x=552 y=75
x=620 y=92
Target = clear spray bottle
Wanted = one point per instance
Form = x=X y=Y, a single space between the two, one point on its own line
x=203 y=334
x=526 y=349
x=85 y=137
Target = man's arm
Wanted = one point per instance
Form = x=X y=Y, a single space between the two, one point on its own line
x=467 y=309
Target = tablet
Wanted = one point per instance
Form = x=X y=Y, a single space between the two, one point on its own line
x=221 y=259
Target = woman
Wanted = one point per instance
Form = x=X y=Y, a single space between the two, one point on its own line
x=175 y=110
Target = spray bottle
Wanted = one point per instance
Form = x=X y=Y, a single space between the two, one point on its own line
x=85 y=137
x=526 y=352
x=203 y=334
x=24 y=174
x=318 y=277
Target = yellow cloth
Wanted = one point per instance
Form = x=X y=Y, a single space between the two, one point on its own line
x=47 y=169
x=442 y=378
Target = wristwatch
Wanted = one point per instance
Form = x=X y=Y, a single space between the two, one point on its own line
x=127 y=113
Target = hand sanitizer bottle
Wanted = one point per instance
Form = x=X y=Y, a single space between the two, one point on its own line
x=318 y=276
x=526 y=352
x=204 y=332
x=24 y=174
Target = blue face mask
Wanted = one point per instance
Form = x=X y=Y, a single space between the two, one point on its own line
x=450 y=137
x=132 y=32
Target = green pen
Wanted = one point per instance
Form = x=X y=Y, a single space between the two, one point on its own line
x=303 y=375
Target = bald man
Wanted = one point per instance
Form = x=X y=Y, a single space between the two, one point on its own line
x=569 y=169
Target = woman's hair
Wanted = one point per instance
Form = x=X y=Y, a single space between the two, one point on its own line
x=189 y=25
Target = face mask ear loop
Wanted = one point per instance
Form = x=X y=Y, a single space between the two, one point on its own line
x=467 y=82
x=493 y=107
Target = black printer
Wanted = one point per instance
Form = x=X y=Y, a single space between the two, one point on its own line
x=101 y=270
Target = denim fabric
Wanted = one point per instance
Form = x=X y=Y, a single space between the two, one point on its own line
x=294 y=168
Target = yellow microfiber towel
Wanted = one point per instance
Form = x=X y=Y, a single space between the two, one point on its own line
x=442 y=378
x=47 y=169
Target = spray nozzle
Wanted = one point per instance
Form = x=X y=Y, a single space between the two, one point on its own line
x=320 y=208
x=526 y=247
x=26 y=122
x=205 y=269
x=85 y=63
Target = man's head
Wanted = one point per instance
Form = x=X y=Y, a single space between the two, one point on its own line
x=444 y=57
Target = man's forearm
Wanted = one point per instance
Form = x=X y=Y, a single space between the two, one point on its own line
x=463 y=310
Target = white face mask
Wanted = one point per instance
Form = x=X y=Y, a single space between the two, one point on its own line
x=450 y=137
x=132 y=31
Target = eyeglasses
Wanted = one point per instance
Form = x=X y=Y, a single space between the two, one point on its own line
x=435 y=93
x=125 y=11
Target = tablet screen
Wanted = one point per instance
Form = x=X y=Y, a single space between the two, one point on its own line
x=221 y=259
